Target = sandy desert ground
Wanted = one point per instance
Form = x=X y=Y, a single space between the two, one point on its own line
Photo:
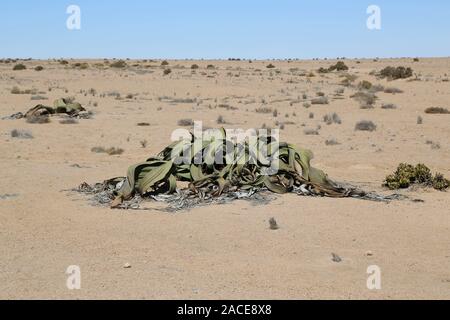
x=222 y=251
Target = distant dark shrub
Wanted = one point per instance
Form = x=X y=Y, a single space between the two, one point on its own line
x=19 y=67
x=395 y=73
x=437 y=110
x=365 y=126
x=118 y=64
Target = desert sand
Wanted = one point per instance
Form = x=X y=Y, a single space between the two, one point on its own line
x=223 y=251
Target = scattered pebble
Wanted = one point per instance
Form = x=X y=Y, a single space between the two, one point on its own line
x=127 y=266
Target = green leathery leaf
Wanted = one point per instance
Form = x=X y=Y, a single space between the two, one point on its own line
x=152 y=174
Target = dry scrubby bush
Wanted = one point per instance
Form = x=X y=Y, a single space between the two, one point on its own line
x=311 y=132
x=39 y=68
x=389 y=106
x=16 y=90
x=331 y=142
x=265 y=110
x=365 y=126
x=110 y=151
x=407 y=175
x=273 y=225
x=395 y=73
x=185 y=122
x=221 y=120
x=21 y=134
x=167 y=72
x=38 y=119
x=118 y=64
x=437 y=110
x=68 y=121
x=365 y=85
x=366 y=99
x=332 y=118
x=320 y=100
x=392 y=90
x=19 y=67
x=339 y=66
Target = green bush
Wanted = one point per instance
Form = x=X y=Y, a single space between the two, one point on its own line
x=395 y=73
x=19 y=66
x=407 y=175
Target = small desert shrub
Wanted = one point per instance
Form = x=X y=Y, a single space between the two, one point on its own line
x=185 y=122
x=165 y=63
x=320 y=100
x=407 y=175
x=389 y=106
x=332 y=118
x=21 y=134
x=38 y=119
x=19 y=67
x=38 y=97
x=339 y=66
x=144 y=144
x=167 y=71
x=392 y=90
x=39 y=68
x=419 y=120
x=68 y=121
x=366 y=99
x=306 y=105
x=210 y=66
x=365 y=126
x=81 y=66
x=221 y=120
x=16 y=90
x=365 y=85
x=270 y=66
x=416 y=60
x=311 y=132
x=331 y=142
x=143 y=124
x=395 y=73
x=118 y=64
x=437 y=110
x=376 y=88
x=194 y=66
x=263 y=110
x=273 y=225
x=110 y=151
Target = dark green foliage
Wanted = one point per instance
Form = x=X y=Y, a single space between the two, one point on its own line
x=19 y=66
x=407 y=175
x=395 y=73
x=118 y=64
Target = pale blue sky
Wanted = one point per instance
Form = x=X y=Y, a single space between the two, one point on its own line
x=256 y=29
